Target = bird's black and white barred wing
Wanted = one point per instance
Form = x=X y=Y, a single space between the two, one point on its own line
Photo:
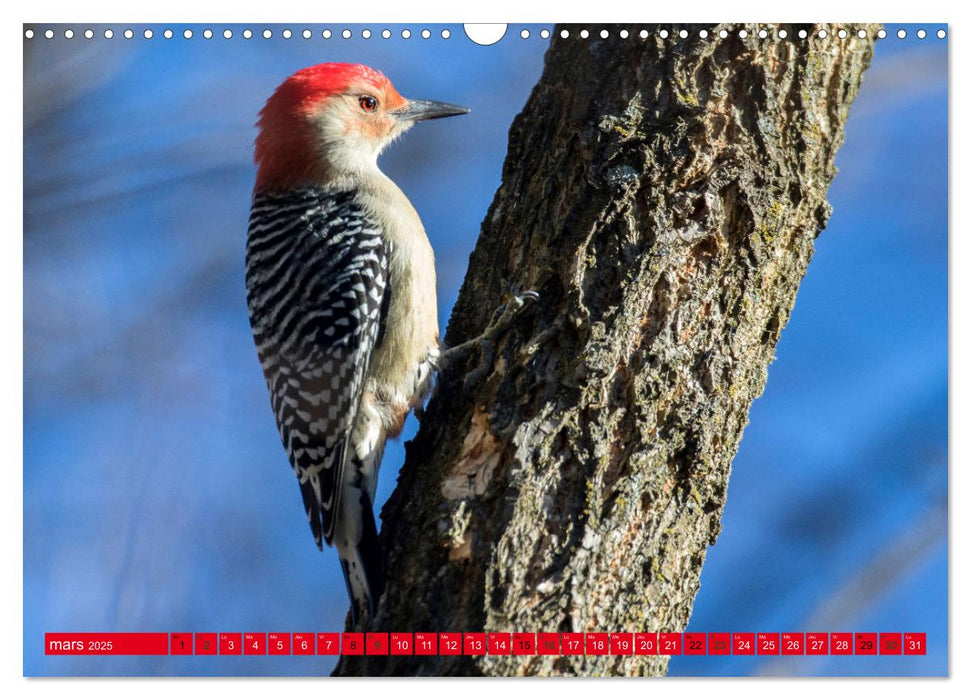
x=317 y=286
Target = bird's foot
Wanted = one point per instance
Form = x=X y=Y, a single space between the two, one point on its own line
x=502 y=319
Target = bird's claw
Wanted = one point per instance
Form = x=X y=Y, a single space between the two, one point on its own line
x=502 y=318
x=508 y=311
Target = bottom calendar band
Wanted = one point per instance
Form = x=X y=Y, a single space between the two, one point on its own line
x=484 y=643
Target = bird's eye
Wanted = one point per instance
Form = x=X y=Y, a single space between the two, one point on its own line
x=368 y=103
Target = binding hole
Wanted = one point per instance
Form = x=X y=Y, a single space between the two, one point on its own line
x=485 y=34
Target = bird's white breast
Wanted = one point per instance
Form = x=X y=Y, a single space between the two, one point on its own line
x=401 y=367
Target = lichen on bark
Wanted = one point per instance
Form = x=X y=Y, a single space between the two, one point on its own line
x=663 y=197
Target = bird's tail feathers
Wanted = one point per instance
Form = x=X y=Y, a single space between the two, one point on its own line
x=360 y=555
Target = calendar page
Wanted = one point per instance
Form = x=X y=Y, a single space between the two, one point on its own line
x=503 y=350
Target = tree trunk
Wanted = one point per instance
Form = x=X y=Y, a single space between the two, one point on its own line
x=663 y=197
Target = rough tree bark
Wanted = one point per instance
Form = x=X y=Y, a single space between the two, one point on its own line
x=663 y=196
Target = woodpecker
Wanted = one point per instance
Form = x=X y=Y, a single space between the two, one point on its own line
x=340 y=282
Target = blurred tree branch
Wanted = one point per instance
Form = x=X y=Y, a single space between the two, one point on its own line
x=663 y=196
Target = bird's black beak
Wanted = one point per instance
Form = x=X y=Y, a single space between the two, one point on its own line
x=420 y=110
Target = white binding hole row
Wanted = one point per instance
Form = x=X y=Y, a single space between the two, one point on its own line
x=524 y=33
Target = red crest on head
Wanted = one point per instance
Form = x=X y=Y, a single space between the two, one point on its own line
x=282 y=146
x=303 y=90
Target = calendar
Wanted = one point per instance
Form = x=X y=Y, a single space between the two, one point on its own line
x=536 y=349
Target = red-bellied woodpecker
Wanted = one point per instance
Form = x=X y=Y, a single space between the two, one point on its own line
x=340 y=282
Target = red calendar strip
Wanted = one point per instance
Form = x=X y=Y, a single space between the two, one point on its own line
x=112 y=644
x=487 y=643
